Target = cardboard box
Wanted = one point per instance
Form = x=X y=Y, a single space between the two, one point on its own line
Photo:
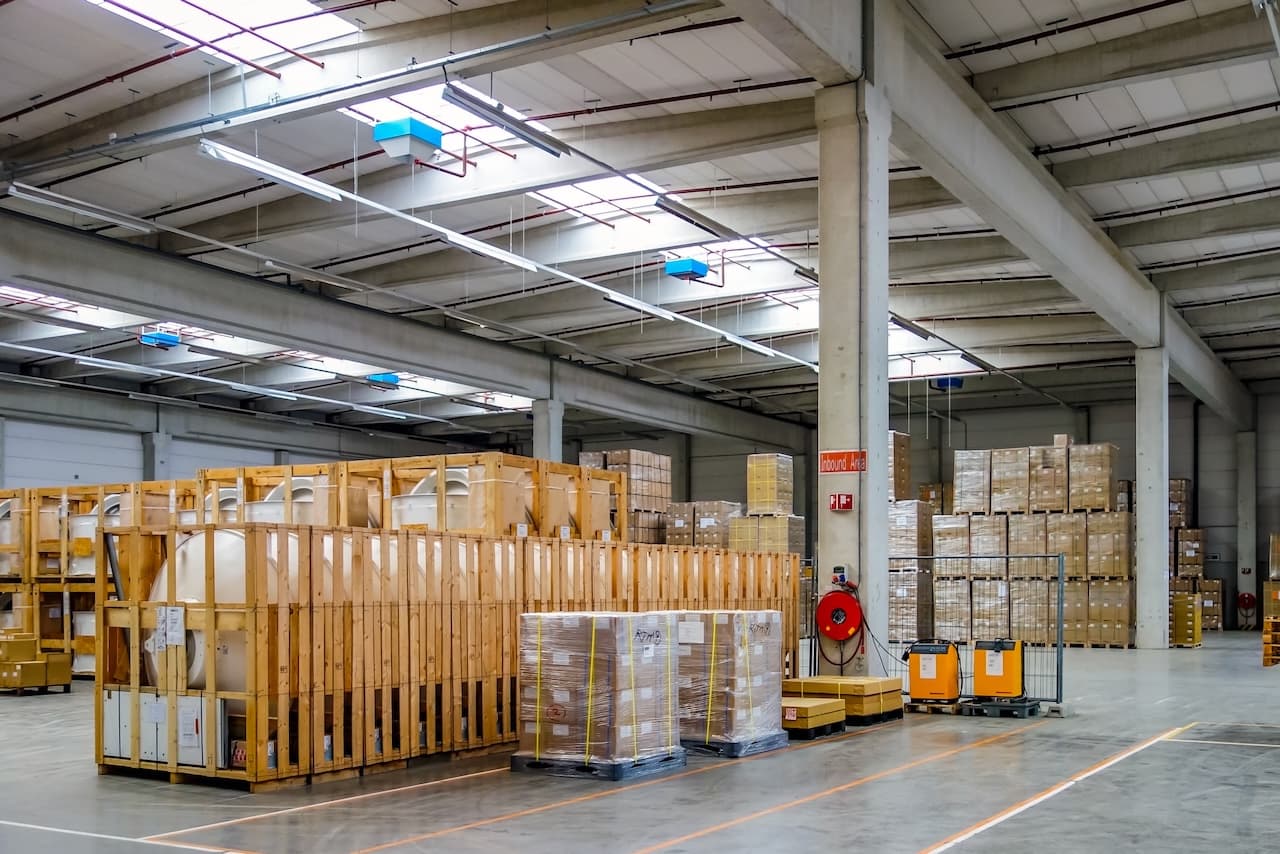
x=910 y=604
x=910 y=534
x=1179 y=502
x=1011 y=480
x=680 y=523
x=644 y=526
x=1270 y=599
x=1111 y=614
x=1190 y=550
x=744 y=534
x=810 y=712
x=1029 y=617
x=899 y=466
x=1124 y=495
x=22 y=674
x=14 y=649
x=989 y=535
x=934 y=494
x=648 y=476
x=990 y=604
x=1048 y=474
x=770 y=485
x=730 y=674
x=1273 y=562
x=1109 y=552
x=1075 y=610
x=862 y=695
x=57 y=668
x=1028 y=536
x=1210 y=590
x=1067 y=534
x=1185 y=619
x=1091 y=477
x=711 y=522
x=972 y=472
x=951 y=538
x=952 y=617
x=785 y=534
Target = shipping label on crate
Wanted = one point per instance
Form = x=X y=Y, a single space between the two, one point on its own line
x=790 y=713
x=841 y=462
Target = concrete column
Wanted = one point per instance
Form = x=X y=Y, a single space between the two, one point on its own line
x=853 y=392
x=155 y=456
x=1247 y=517
x=1151 y=497
x=548 y=430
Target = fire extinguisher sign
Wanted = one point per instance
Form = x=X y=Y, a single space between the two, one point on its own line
x=841 y=462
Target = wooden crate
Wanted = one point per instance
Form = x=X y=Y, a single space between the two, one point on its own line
x=15 y=536
x=17 y=606
x=266 y=495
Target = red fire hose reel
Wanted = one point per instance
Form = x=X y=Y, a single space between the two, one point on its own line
x=839 y=615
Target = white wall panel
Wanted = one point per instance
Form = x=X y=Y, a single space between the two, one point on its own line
x=37 y=454
x=186 y=457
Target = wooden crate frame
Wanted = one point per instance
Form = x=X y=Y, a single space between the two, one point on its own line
x=17 y=550
x=253 y=483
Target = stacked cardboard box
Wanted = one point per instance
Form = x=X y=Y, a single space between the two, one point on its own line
x=730 y=675
x=597 y=687
x=936 y=495
x=1075 y=610
x=1028 y=535
x=899 y=466
x=805 y=713
x=862 y=695
x=648 y=488
x=1110 y=613
x=1210 y=590
x=1109 y=553
x=1124 y=495
x=1185 y=619
x=767 y=534
x=973 y=481
x=951 y=545
x=1190 y=552
x=710 y=521
x=1048 y=479
x=681 y=523
x=1091 y=477
x=1270 y=599
x=990 y=604
x=1011 y=480
x=1067 y=534
x=1179 y=502
x=1273 y=562
x=910 y=604
x=644 y=526
x=770 y=485
x=1029 y=617
x=952 y=615
x=910 y=534
x=989 y=535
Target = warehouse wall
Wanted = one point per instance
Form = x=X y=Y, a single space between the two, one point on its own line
x=38 y=454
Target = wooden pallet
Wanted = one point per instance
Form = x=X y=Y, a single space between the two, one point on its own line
x=933 y=708
x=737 y=749
x=810 y=733
x=600 y=769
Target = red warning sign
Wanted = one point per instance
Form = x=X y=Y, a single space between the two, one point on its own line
x=840 y=462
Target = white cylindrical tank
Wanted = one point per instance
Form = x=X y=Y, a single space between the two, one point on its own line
x=419 y=505
x=85 y=526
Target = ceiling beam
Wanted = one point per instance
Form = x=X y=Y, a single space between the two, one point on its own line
x=1222 y=221
x=104 y=272
x=1226 y=38
x=1254 y=270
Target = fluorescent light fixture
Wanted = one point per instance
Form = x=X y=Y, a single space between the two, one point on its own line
x=270 y=171
x=55 y=200
x=689 y=215
x=312 y=275
x=377 y=410
x=125 y=367
x=496 y=114
x=265 y=392
x=164 y=401
x=638 y=305
x=24 y=380
x=808 y=274
x=479 y=247
x=750 y=345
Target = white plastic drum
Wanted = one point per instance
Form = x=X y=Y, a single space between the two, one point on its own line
x=85 y=526
x=226 y=512
x=271 y=508
x=6 y=536
x=418 y=507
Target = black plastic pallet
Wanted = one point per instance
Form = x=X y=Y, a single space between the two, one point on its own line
x=1002 y=709
x=737 y=749
x=38 y=689
x=872 y=720
x=616 y=770
x=816 y=732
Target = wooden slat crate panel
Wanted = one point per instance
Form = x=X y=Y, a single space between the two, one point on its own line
x=366 y=648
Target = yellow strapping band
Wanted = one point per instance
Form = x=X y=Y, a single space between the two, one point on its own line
x=631 y=657
x=751 y=706
x=537 y=703
x=711 y=678
x=591 y=684
x=670 y=642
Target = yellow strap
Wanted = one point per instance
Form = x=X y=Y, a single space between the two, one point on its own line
x=537 y=703
x=670 y=642
x=751 y=706
x=591 y=684
x=711 y=678
x=635 y=700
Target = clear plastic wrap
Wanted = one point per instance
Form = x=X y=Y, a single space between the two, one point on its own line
x=730 y=675
x=770 y=484
x=910 y=604
x=990 y=603
x=744 y=533
x=1186 y=619
x=1011 y=480
x=1110 y=547
x=973 y=482
x=1091 y=476
x=989 y=536
x=951 y=537
x=1067 y=534
x=910 y=533
x=951 y=610
x=1029 y=617
x=1048 y=479
x=1273 y=560
x=598 y=687
x=935 y=494
x=1075 y=610
x=899 y=466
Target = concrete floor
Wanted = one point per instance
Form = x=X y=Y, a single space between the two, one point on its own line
x=903 y=787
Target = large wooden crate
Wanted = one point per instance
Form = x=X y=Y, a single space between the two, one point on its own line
x=15 y=536
x=311 y=494
x=376 y=648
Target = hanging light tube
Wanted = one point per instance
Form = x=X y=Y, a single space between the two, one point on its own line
x=638 y=305
x=105 y=364
x=270 y=171
x=312 y=275
x=689 y=215
x=260 y=390
x=807 y=273
x=749 y=344
x=378 y=410
x=479 y=247
x=497 y=115
x=55 y=200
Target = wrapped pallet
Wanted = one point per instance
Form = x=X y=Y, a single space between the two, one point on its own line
x=730 y=682
x=1011 y=480
x=597 y=688
x=1111 y=613
x=1075 y=610
x=973 y=482
x=952 y=617
x=1067 y=534
x=648 y=476
x=910 y=605
x=1185 y=619
x=1091 y=476
x=990 y=604
x=951 y=546
x=899 y=466
x=1048 y=474
x=1029 y=617
x=1190 y=551
x=744 y=534
x=770 y=485
x=910 y=534
x=711 y=522
x=1211 y=603
x=989 y=543
x=1179 y=502
x=644 y=526
x=783 y=534
x=1028 y=536
x=935 y=494
x=1109 y=552
x=681 y=523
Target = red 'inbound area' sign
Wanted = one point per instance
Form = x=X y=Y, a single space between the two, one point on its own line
x=839 y=462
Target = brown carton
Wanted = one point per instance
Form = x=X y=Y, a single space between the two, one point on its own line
x=989 y=535
x=1109 y=553
x=1066 y=534
x=952 y=618
x=910 y=533
x=783 y=534
x=730 y=674
x=770 y=484
x=1273 y=560
x=1075 y=609
x=1190 y=551
x=934 y=494
x=1185 y=619
x=744 y=534
x=1048 y=479
x=811 y=712
x=991 y=618
x=1110 y=612
x=681 y=523
x=1091 y=477
x=711 y=522
x=1210 y=590
x=951 y=544
x=1028 y=536
x=910 y=605
x=1179 y=502
x=1029 y=616
x=899 y=466
x=1011 y=480
x=973 y=481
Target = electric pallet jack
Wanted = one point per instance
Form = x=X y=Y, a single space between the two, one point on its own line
x=999 y=680
x=934 y=666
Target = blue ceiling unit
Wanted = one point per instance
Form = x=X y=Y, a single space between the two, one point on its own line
x=689 y=269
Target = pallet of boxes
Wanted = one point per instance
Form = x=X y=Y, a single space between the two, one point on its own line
x=769 y=524
x=23 y=667
x=648 y=489
x=1270 y=606
x=1188 y=588
x=997 y=574
x=911 y=575
x=618 y=696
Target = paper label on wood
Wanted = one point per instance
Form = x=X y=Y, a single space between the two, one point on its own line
x=606 y=536
x=689 y=631
x=790 y=713
x=566 y=533
x=154 y=713
x=188 y=726
x=175 y=626
x=158 y=635
x=522 y=530
x=928 y=665
x=995 y=662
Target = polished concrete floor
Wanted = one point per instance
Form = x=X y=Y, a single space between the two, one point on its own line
x=1169 y=751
